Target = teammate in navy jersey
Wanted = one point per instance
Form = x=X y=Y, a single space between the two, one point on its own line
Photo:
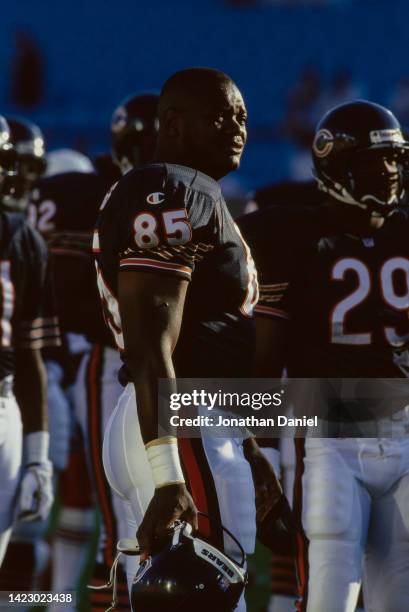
x=334 y=303
x=178 y=286
x=288 y=193
x=28 y=323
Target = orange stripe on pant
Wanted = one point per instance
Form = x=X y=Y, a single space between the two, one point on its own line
x=202 y=488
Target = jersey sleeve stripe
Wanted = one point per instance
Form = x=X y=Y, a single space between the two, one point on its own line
x=41 y=343
x=272 y=312
x=40 y=332
x=275 y=287
x=152 y=263
x=40 y=322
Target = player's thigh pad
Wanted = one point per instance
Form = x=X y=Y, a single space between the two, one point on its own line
x=331 y=505
x=386 y=582
x=235 y=490
x=10 y=458
x=125 y=461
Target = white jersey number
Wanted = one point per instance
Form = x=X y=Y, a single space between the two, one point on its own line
x=398 y=301
x=42 y=217
x=175 y=223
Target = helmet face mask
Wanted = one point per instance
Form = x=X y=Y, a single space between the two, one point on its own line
x=377 y=177
x=8 y=157
x=360 y=157
x=134 y=129
x=29 y=164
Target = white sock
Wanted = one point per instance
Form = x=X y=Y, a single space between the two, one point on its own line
x=70 y=547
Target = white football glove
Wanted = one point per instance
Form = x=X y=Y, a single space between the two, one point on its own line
x=35 y=496
x=36 y=492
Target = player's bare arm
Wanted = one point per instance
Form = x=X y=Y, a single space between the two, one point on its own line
x=151 y=308
x=267 y=486
x=31 y=389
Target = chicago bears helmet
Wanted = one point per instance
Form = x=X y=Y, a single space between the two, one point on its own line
x=360 y=155
x=188 y=574
x=134 y=129
x=27 y=141
x=7 y=153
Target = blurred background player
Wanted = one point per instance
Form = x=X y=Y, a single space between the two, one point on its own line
x=63 y=206
x=63 y=202
x=27 y=552
x=29 y=323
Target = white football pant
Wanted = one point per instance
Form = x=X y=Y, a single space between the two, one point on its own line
x=129 y=474
x=355 y=513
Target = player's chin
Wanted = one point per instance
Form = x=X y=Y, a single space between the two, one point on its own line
x=231 y=162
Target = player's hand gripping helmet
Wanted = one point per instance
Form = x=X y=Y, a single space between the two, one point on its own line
x=360 y=154
x=28 y=145
x=134 y=129
x=188 y=575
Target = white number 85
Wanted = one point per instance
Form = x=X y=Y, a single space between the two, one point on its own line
x=176 y=227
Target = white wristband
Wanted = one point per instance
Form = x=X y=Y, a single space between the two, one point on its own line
x=164 y=460
x=36 y=447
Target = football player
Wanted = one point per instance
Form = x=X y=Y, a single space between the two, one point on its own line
x=27 y=551
x=64 y=203
x=28 y=324
x=334 y=303
x=178 y=287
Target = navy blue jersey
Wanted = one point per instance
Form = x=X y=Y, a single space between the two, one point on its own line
x=346 y=298
x=28 y=318
x=66 y=202
x=173 y=220
x=64 y=209
x=289 y=193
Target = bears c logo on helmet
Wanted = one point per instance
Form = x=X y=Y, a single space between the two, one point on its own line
x=323 y=143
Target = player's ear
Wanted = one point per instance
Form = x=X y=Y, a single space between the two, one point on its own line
x=171 y=123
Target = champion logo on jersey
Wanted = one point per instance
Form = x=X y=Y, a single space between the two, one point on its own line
x=156 y=198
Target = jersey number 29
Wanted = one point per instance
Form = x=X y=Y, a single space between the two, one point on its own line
x=393 y=299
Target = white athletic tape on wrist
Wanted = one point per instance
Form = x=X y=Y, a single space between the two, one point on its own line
x=36 y=447
x=164 y=460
